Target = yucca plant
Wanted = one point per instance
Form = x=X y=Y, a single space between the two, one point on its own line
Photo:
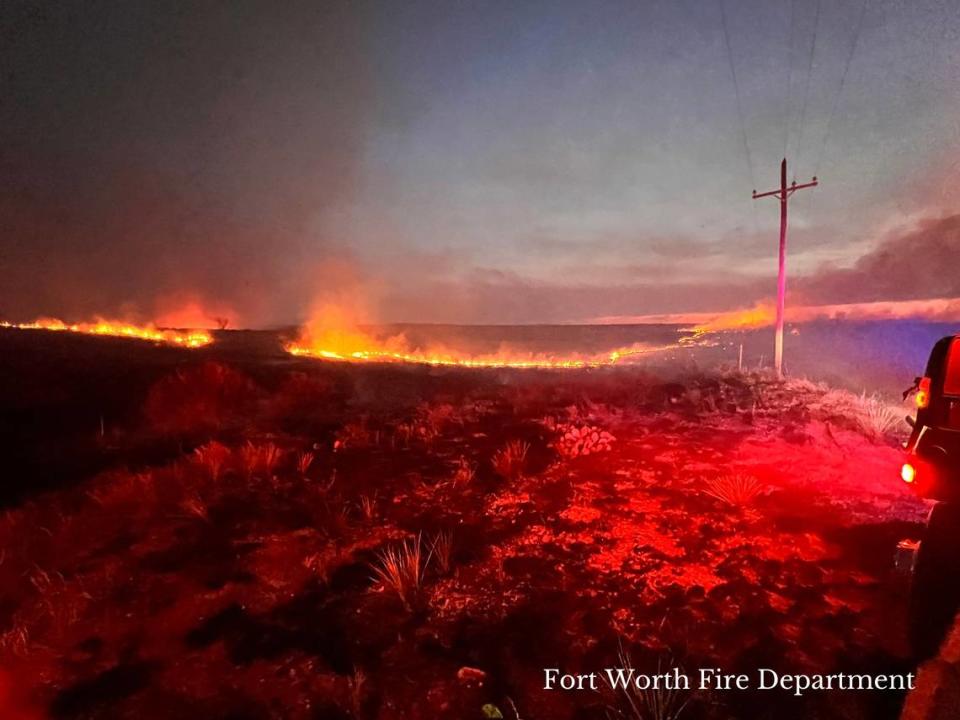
x=402 y=569
x=735 y=490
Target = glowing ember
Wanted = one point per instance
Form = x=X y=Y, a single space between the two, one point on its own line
x=181 y=338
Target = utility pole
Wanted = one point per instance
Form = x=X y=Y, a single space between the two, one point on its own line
x=784 y=194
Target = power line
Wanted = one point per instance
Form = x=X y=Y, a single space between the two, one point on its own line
x=843 y=80
x=736 y=91
x=787 y=104
x=806 y=90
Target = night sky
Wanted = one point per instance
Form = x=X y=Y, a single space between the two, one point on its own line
x=472 y=161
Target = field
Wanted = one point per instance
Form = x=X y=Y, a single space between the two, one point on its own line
x=229 y=532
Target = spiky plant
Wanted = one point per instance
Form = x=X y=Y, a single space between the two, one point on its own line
x=402 y=568
x=510 y=461
x=876 y=415
x=736 y=490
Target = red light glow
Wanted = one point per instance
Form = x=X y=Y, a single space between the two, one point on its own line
x=908 y=472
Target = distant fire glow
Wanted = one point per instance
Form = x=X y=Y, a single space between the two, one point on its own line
x=150 y=333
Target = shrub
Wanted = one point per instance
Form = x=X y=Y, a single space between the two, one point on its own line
x=200 y=399
x=402 y=569
x=510 y=461
x=734 y=490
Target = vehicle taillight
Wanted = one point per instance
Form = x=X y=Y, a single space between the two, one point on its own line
x=923 y=393
x=908 y=472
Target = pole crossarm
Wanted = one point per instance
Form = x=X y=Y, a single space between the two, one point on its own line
x=789 y=190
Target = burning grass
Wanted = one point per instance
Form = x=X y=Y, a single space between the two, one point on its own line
x=112 y=328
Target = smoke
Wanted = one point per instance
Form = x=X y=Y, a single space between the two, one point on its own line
x=917 y=264
x=165 y=160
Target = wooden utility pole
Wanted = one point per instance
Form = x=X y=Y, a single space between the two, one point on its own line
x=783 y=193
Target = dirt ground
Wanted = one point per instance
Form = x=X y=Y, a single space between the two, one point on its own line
x=221 y=544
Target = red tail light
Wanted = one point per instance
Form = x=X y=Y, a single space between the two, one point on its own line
x=908 y=472
x=923 y=393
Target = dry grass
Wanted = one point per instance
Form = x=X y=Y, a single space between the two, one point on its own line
x=304 y=461
x=213 y=457
x=195 y=506
x=463 y=473
x=511 y=460
x=402 y=569
x=657 y=703
x=443 y=551
x=260 y=458
x=368 y=506
x=735 y=490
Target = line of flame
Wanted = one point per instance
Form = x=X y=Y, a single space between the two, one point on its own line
x=185 y=338
x=483 y=361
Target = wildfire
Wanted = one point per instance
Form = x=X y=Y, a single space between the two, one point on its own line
x=151 y=333
x=334 y=335
x=451 y=358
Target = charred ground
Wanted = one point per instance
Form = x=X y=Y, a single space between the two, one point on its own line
x=220 y=544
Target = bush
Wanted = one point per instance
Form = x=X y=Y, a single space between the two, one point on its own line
x=198 y=399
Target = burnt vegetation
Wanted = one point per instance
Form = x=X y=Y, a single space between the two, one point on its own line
x=311 y=540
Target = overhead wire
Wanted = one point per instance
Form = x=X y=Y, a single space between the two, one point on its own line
x=736 y=92
x=843 y=80
x=789 y=84
x=806 y=89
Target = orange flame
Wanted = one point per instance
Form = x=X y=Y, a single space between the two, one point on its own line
x=333 y=335
x=151 y=333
